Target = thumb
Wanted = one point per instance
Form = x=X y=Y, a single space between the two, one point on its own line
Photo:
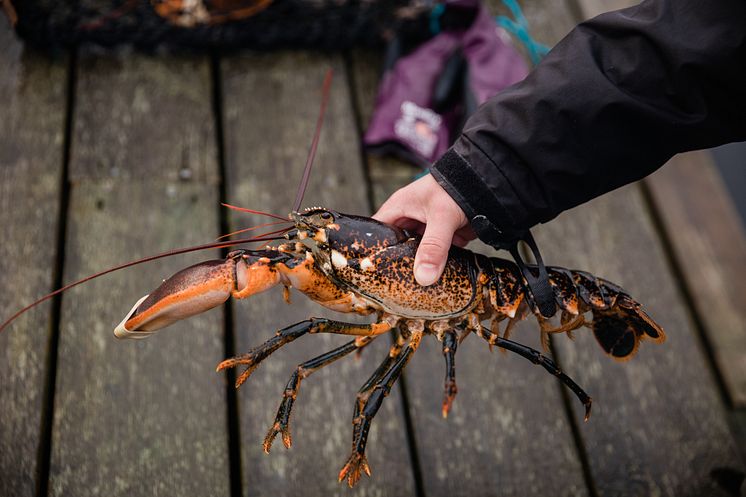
x=433 y=250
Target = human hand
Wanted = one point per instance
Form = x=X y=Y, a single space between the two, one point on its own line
x=424 y=206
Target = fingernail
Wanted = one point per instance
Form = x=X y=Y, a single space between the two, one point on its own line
x=426 y=274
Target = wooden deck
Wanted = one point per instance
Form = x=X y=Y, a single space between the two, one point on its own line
x=108 y=156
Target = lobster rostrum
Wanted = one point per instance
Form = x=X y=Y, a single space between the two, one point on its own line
x=355 y=264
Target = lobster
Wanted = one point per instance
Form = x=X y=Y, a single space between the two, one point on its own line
x=355 y=264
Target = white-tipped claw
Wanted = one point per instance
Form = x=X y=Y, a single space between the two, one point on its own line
x=121 y=332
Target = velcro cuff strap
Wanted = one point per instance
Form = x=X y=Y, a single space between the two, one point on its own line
x=465 y=186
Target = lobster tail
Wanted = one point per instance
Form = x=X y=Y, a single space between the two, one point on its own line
x=619 y=323
x=620 y=328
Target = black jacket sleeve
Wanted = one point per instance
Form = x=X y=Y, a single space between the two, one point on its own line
x=612 y=102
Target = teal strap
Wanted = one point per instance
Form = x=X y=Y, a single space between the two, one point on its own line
x=435 y=14
x=519 y=29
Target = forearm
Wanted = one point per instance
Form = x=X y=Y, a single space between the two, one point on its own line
x=613 y=101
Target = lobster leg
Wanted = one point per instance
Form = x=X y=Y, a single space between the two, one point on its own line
x=394 y=352
x=366 y=407
x=375 y=378
x=570 y=324
x=304 y=370
x=286 y=335
x=362 y=397
x=537 y=358
x=450 y=343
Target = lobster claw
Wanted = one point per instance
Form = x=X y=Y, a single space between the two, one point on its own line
x=191 y=291
x=201 y=287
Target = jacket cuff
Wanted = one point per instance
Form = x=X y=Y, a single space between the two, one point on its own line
x=488 y=215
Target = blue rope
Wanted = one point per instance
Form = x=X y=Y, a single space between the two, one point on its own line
x=519 y=29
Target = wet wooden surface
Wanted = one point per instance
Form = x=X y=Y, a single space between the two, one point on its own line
x=155 y=142
x=709 y=243
x=138 y=417
x=32 y=123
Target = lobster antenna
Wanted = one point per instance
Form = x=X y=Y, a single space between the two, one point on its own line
x=228 y=243
x=252 y=211
x=245 y=230
x=315 y=142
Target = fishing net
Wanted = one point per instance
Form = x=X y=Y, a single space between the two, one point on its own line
x=257 y=24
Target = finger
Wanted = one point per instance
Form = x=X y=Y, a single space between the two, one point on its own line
x=411 y=225
x=433 y=250
x=401 y=215
x=391 y=211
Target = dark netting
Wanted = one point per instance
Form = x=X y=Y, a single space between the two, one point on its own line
x=258 y=24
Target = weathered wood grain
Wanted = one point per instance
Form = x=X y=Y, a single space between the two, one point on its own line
x=709 y=244
x=138 y=417
x=659 y=426
x=152 y=119
x=271 y=103
x=507 y=433
x=32 y=120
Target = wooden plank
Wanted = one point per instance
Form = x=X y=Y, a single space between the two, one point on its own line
x=271 y=105
x=138 y=417
x=32 y=120
x=709 y=244
x=659 y=426
x=507 y=432
x=161 y=102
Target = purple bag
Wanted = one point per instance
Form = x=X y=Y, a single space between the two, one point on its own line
x=416 y=116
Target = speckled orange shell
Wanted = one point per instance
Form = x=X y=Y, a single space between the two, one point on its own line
x=388 y=279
